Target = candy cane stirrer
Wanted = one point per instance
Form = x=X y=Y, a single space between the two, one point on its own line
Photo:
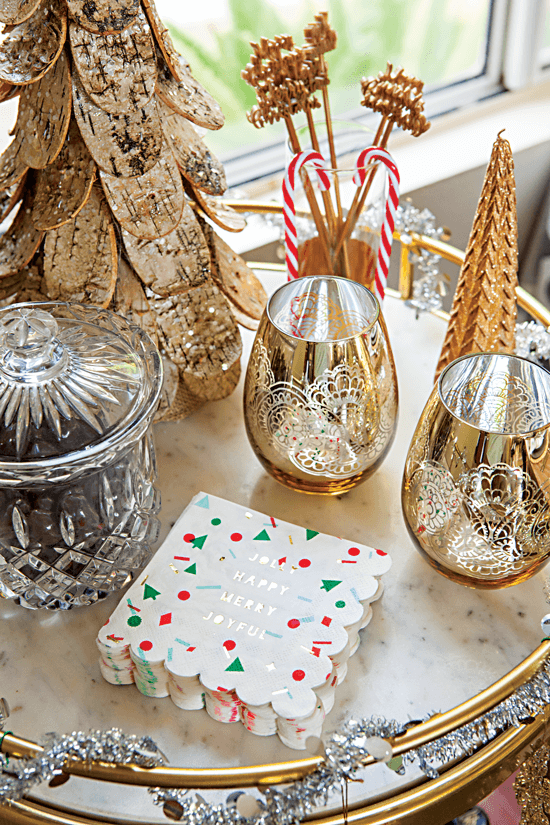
x=289 y=206
x=283 y=78
x=374 y=153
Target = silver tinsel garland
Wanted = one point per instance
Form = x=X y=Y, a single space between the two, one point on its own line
x=346 y=752
x=18 y=777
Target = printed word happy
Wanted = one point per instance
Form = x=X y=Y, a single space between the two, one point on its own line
x=251 y=580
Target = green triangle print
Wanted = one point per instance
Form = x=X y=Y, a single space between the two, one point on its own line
x=310 y=534
x=263 y=536
x=203 y=503
x=199 y=542
x=235 y=666
x=150 y=592
x=192 y=569
x=329 y=584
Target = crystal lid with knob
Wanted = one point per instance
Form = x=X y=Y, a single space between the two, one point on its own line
x=71 y=377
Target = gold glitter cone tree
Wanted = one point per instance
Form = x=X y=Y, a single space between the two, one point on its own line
x=106 y=183
x=484 y=310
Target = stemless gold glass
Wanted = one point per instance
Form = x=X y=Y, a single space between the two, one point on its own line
x=476 y=487
x=320 y=396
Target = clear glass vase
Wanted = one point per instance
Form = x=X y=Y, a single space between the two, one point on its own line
x=78 y=389
x=348 y=244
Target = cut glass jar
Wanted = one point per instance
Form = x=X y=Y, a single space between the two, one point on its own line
x=78 y=390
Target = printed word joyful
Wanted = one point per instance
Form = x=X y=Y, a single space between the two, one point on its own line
x=219 y=619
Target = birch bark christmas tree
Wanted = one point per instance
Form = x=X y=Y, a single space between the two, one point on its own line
x=107 y=182
x=483 y=316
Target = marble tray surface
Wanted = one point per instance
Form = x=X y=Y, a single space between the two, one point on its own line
x=430 y=645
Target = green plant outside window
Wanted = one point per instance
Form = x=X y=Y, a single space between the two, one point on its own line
x=440 y=41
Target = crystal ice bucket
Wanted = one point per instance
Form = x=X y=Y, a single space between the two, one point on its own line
x=476 y=487
x=78 y=389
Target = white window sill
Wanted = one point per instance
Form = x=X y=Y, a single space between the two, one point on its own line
x=462 y=140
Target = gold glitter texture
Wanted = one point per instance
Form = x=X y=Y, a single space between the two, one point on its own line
x=483 y=315
x=532 y=788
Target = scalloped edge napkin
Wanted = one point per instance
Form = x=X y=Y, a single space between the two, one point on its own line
x=251 y=617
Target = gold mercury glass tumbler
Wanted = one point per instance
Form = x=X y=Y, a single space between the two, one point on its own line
x=320 y=396
x=476 y=487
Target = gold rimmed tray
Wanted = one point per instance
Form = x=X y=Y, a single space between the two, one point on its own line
x=429 y=626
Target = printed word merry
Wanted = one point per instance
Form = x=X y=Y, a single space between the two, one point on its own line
x=228 y=597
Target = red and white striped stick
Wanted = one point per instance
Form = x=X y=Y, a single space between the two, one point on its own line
x=289 y=207
x=375 y=153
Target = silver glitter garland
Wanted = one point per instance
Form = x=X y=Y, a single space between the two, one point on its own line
x=19 y=776
x=346 y=752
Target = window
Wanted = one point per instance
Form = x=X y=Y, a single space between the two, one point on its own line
x=545 y=47
x=464 y=50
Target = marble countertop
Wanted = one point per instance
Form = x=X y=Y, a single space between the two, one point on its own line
x=430 y=645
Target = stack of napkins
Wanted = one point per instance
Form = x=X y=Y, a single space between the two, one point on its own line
x=249 y=616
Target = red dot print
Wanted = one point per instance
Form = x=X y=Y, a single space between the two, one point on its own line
x=298 y=675
x=184 y=595
x=229 y=644
x=189 y=537
x=236 y=536
x=381 y=553
x=304 y=562
x=353 y=551
x=146 y=645
x=294 y=623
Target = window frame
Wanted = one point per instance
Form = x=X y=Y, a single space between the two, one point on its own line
x=514 y=59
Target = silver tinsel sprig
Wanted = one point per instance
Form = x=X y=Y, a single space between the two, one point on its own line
x=106 y=746
x=533 y=341
x=527 y=701
x=429 y=288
